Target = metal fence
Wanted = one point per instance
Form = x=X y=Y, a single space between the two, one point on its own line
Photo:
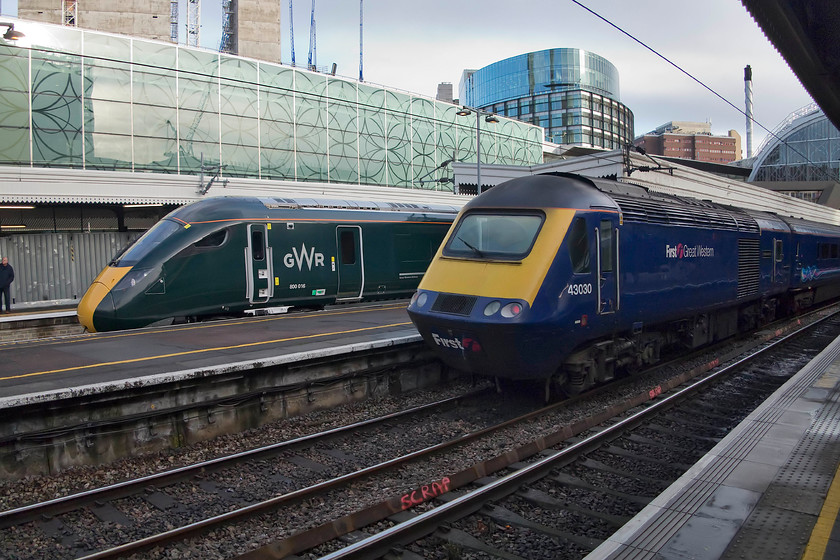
x=58 y=266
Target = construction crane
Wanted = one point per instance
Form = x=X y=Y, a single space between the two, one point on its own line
x=292 y=31
x=312 y=50
x=193 y=22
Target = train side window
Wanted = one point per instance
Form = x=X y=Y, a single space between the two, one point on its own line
x=606 y=246
x=835 y=249
x=777 y=249
x=257 y=245
x=215 y=239
x=579 y=246
x=348 y=247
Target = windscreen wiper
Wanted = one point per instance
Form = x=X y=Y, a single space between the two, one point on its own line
x=475 y=250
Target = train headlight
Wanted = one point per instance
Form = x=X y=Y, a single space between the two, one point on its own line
x=419 y=299
x=492 y=308
x=131 y=279
x=511 y=310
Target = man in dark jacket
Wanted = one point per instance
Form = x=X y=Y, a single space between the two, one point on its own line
x=7 y=274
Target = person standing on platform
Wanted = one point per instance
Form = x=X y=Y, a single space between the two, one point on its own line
x=7 y=275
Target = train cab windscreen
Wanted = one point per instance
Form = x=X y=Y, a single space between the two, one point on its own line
x=494 y=236
x=132 y=254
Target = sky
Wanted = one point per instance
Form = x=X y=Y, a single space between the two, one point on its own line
x=415 y=45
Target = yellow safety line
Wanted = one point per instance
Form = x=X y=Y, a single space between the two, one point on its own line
x=90 y=337
x=199 y=351
x=825 y=523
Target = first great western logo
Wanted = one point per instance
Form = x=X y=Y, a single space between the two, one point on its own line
x=681 y=251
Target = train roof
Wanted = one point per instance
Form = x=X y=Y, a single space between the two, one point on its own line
x=636 y=204
x=246 y=207
x=549 y=190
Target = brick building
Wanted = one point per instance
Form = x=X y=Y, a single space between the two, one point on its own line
x=690 y=140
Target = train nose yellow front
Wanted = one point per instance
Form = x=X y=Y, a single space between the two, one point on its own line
x=97 y=292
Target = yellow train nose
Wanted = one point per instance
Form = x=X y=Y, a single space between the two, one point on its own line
x=98 y=291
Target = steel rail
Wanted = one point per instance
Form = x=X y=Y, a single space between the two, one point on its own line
x=379 y=544
x=262 y=507
x=71 y=502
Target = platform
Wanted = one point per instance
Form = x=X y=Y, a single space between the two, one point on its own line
x=768 y=490
x=45 y=370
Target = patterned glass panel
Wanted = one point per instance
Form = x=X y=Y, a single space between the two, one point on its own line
x=399 y=139
x=343 y=132
x=146 y=106
x=372 y=153
x=311 y=127
x=277 y=130
x=424 y=150
x=57 y=110
x=239 y=122
x=155 y=94
x=14 y=106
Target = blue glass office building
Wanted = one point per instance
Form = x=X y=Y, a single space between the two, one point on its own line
x=572 y=93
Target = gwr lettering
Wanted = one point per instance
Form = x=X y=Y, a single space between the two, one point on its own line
x=425 y=492
x=311 y=258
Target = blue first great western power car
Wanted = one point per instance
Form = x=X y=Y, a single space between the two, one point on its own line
x=567 y=279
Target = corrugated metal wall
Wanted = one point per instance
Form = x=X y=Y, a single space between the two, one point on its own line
x=59 y=266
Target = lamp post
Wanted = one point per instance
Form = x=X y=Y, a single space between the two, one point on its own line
x=488 y=118
x=11 y=34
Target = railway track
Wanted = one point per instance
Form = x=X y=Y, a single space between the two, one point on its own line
x=564 y=504
x=315 y=493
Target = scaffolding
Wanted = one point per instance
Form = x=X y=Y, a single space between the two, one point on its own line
x=69 y=13
x=173 y=21
x=230 y=42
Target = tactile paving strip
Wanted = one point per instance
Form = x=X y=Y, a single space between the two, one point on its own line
x=781 y=524
x=771 y=533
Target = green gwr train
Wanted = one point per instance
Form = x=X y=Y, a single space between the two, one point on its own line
x=226 y=256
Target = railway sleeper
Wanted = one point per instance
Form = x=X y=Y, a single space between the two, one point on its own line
x=574 y=482
x=504 y=516
x=697 y=455
x=545 y=501
x=694 y=423
x=641 y=458
x=672 y=433
x=603 y=467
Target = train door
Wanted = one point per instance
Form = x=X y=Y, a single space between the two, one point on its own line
x=259 y=265
x=781 y=267
x=351 y=270
x=607 y=262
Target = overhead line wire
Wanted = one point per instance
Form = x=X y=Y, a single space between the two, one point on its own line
x=722 y=98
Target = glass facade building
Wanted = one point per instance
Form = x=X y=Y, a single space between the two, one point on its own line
x=82 y=99
x=572 y=94
x=804 y=147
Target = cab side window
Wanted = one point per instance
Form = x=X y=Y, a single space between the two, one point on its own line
x=606 y=246
x=579 y=246
x=214 y=239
